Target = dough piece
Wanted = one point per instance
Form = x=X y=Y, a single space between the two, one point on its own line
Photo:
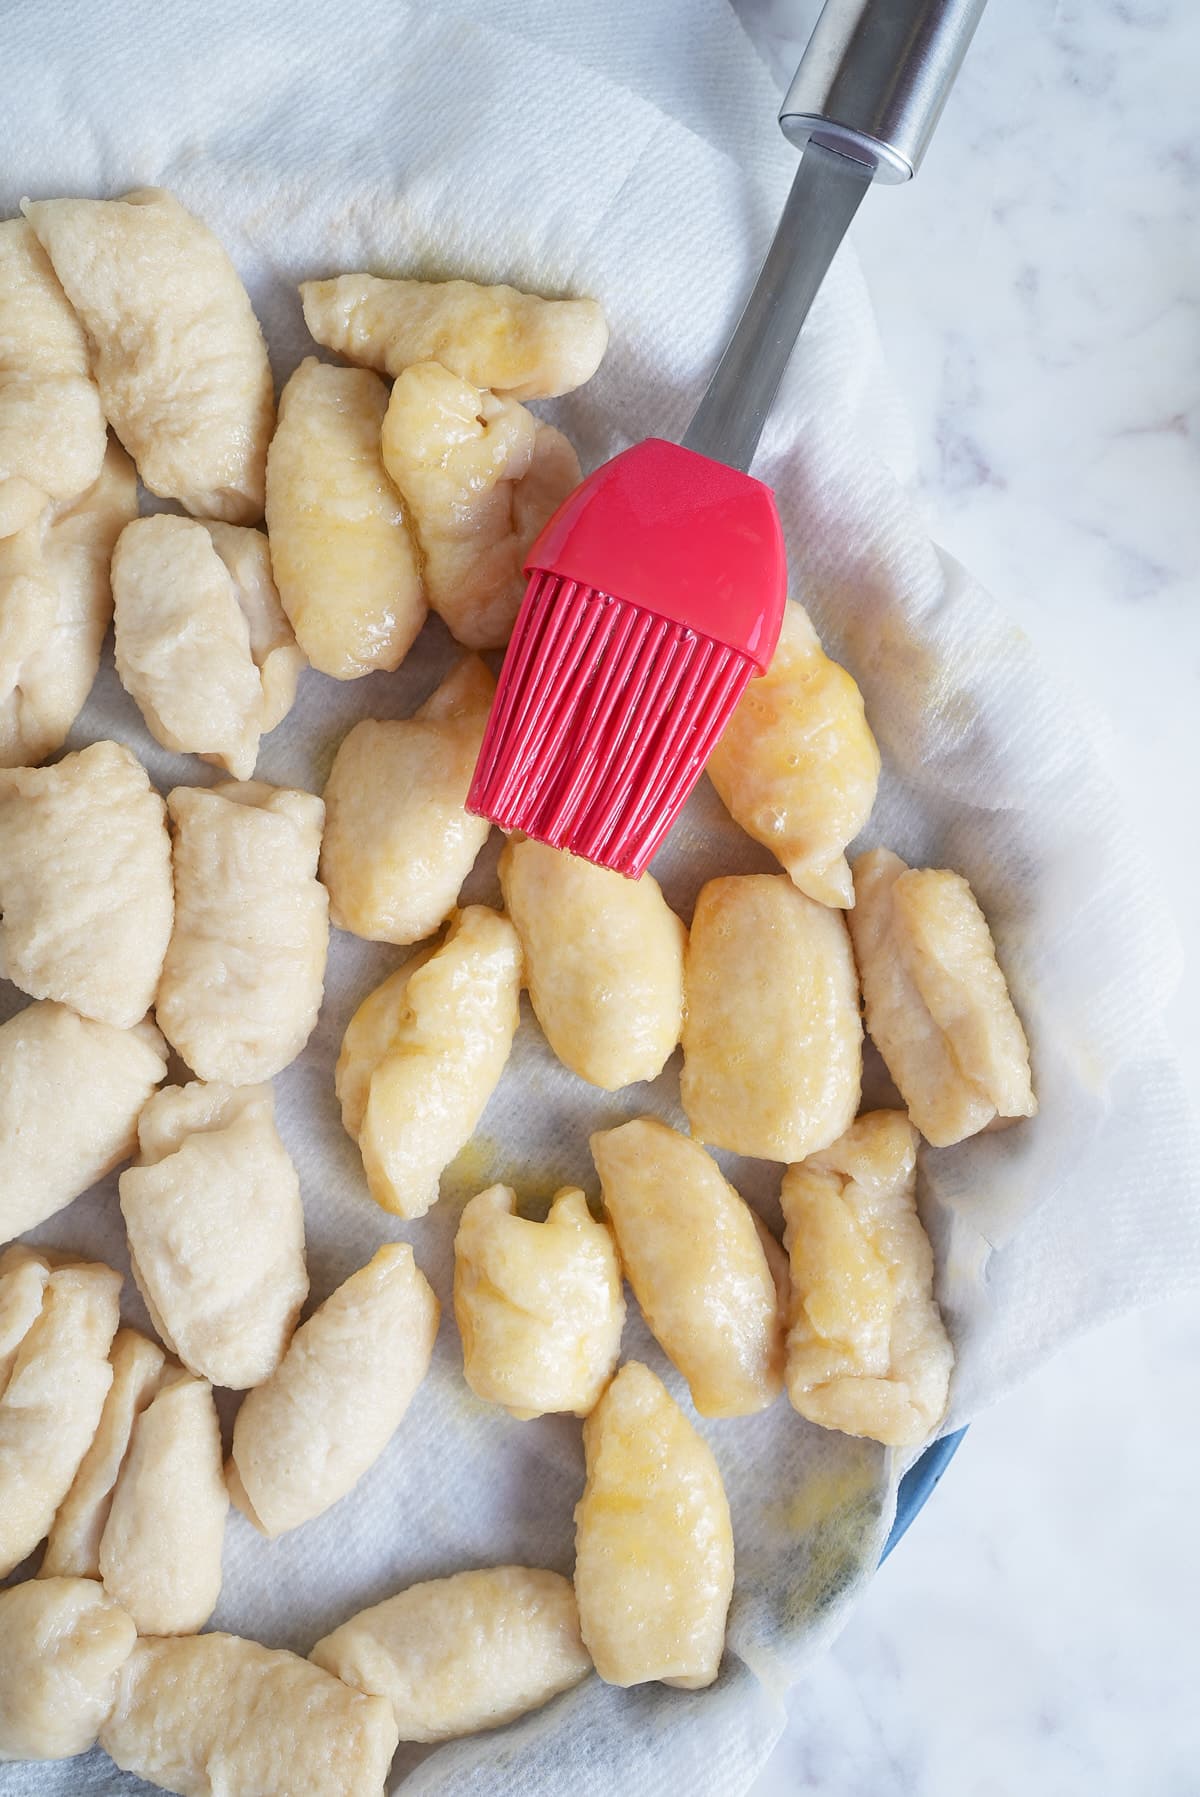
x=453 y=1656
x=307 y=1436
x=216 y=1716
x=51 y=1405
x=772 y=1038
x=344 y=562
x=653 y=1540
x=797 y=765
x=55 y=606
x=216 y=1230
x=691 y=1250
x=518 y=344
x=459 y=457
x=245 y=970
x=399 y=841
x=179 y=358
x=938 y=1008
x=70 y=1094
x=23 y=1276
x=867 y=1352
x=423 y=1054
x=202 y=642
x=539 y=1305
x=160 y=1553
x=604 y=961
x=65 y=1641
x=85 y=883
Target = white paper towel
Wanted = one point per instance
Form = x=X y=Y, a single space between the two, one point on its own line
x=630 y=152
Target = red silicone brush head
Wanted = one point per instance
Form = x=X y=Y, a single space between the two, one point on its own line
x=656 y=592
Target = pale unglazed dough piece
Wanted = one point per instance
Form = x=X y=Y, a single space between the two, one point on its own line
x=459 y=456
x=344 y=561
x=71 y=1090
x=86 y=900
x=203 y=645
x=867 y=1351
x=23 y=1276
x=52 y=1402
x=772 y=1037
x=516 y=343
x=216 y=1716
x=245 y=969
x=55 y=606
x=399 y=840
x=603 y=960
x=691 y=1249
x=216 y=1230
x=653 y=1540
x=177 y=351
x=64 y=1642
x=306 y=1437
x=539 y=1305
x=423 y=1054
x=938 y=1007
x=473 y=1651
x=797 y=765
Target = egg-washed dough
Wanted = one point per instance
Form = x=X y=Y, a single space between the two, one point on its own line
x=203 y=645
x=603 y=960
x=345 y=564
x=70 y=1094
x=216 y=1230
x=691 y=1249
x=55 y=606
x=302 y=1440
x=518 y=344
x=399 y=840
x=539 y=1305
x=216 y=1716
x=461 y=458
x=453 y=1656
x=797 y=765
x=245 y=969
x=177 y=351
x=423 y=1054
x=85 y=883
x=653 y=1540
x=938 y=1008
x=867 y=1351
x=64 y=1642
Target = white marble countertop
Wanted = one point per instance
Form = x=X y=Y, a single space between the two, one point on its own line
x=1038 y=291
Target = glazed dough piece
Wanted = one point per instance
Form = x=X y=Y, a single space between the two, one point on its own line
x=216 y=1230
x=691 y=1250
x=344 y=561
x=245 y=970
x=302 y=1440
x=85 y=883
x=23 y=1275
x=867 y=1352
x=459 y=456
x=179 y=359
x=399 y=841
x=216 y=1716
x=538 y=1305
x=202 y=642
x=604 y=961
x=797 y=765
x=70 y=1094
x=518 y=344
x=65 y=1641
x=938 y=1008
x=424 y=1053
x=453 y=1656
x=653 y=1540
x=772 y=1040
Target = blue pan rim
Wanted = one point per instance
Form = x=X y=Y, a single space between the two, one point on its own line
x=918 y=1486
